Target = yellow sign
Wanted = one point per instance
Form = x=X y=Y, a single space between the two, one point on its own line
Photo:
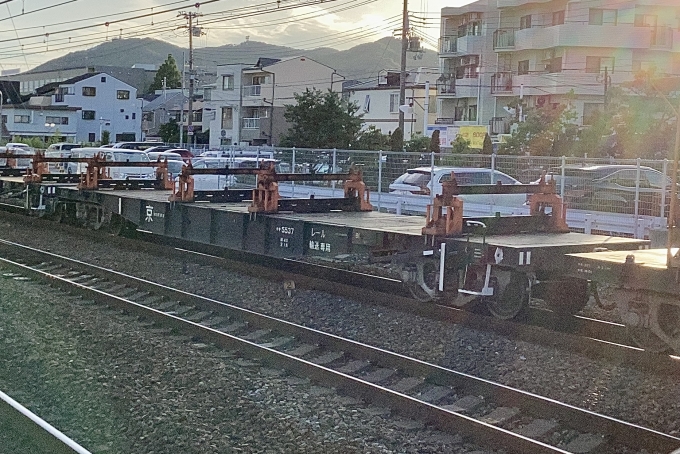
x=474 y=134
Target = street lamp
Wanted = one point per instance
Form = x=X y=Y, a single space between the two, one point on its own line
x=102 y=121
x=50 y=125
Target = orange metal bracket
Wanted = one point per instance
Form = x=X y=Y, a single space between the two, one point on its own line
x=439 y=224
x=356 y=188
x=546 y=198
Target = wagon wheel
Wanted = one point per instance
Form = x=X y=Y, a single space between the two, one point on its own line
x=665 y=317
x=568 y=297
x=511 y=295
x=646 y=339
x=424 y=280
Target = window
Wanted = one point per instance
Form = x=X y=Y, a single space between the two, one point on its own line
x=91 y=137
x=554 y=65
x=228 y=82
x=472 y=113
x=590 y=112
x=525 y=22
x=394 y=102
x=134 y=115
x=645 y=20
x=639 y=65
x=259 y=80
x=103 y=79
x=89 y=91
x=22 y=119
x=122 y=94
x=88 y=114
x=227 y=118
x=127 y=117
x=597 y=65
x=4 y=119
x=57 y=120
x=558 y=17
x=602 y=16
x=523 y=67
x=367 y=103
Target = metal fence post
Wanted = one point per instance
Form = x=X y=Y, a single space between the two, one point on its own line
x=662 y=211
x=564 y=163
x=432 y=178
x=335 y=166
x=380 y=169
x=493 y=168
x=637 y=199
x=293 y=168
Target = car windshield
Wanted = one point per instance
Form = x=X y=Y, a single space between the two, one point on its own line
x=122 y=156
x=415 y=178
x=175 y=167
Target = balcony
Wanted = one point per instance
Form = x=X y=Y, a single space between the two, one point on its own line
x=501 y=83
x=252 y=90
x=504 y=39
x=250 y=123
x=448 y=45
x=662 y=37
x=446 y=86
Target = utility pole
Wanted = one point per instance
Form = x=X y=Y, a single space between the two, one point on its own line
x=402 y=75
x=190 y=17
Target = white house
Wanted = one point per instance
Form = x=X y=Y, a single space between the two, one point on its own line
x=105 y=104
x=37 y=118
x=246 y=104
x=378 y=101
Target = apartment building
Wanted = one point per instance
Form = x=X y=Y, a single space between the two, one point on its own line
x=247 y=102
x=378 y=100
x=548 y=52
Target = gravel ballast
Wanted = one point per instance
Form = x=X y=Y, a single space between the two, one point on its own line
x=632 y=395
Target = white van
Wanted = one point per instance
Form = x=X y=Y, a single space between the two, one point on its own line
x=60 y=150
x=116 y=155
x=21 y=149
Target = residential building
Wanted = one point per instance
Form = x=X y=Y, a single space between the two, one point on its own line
x=105 y=104
x=160 y=109
x=547 y=52
x=38 y=118
x=378 y=100
x=246 y=104
x=139 y=76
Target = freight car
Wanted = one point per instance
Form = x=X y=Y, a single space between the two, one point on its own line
x=500 y=261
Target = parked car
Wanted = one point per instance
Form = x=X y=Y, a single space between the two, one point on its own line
x=115 y=155
x=141 y=146
x=20 y=149
x=174 y=160
x=418 y=181
x=613 y=188
x=186 y=154
x=60 y=150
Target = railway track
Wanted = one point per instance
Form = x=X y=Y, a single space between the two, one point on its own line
x=489 y=413
x=599 y=339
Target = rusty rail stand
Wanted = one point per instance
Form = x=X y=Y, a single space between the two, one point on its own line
x=546 y=198
x=451 y=223
x=266 y=194
x=95 y=171
x=356 y=188
x=163 y=174
x=185 y=185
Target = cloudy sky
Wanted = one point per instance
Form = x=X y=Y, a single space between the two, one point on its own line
x=34 y=31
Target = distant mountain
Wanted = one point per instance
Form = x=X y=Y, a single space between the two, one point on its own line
x=360 y=62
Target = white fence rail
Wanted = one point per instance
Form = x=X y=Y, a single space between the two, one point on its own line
x=585 y=221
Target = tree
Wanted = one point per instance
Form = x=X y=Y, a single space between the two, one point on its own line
x=397 y=140
x=168 y=70
x=545 y=131
x=169 y=132
x=487 y=147
x=321 y=120
x=417 y=143
x=106 y=137
x=460 y=145
x=434 y=142
x=371 y=138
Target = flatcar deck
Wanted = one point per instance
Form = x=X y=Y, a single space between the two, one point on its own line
x=647 y=258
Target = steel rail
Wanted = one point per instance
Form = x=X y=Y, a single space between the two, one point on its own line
x=618 y=431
